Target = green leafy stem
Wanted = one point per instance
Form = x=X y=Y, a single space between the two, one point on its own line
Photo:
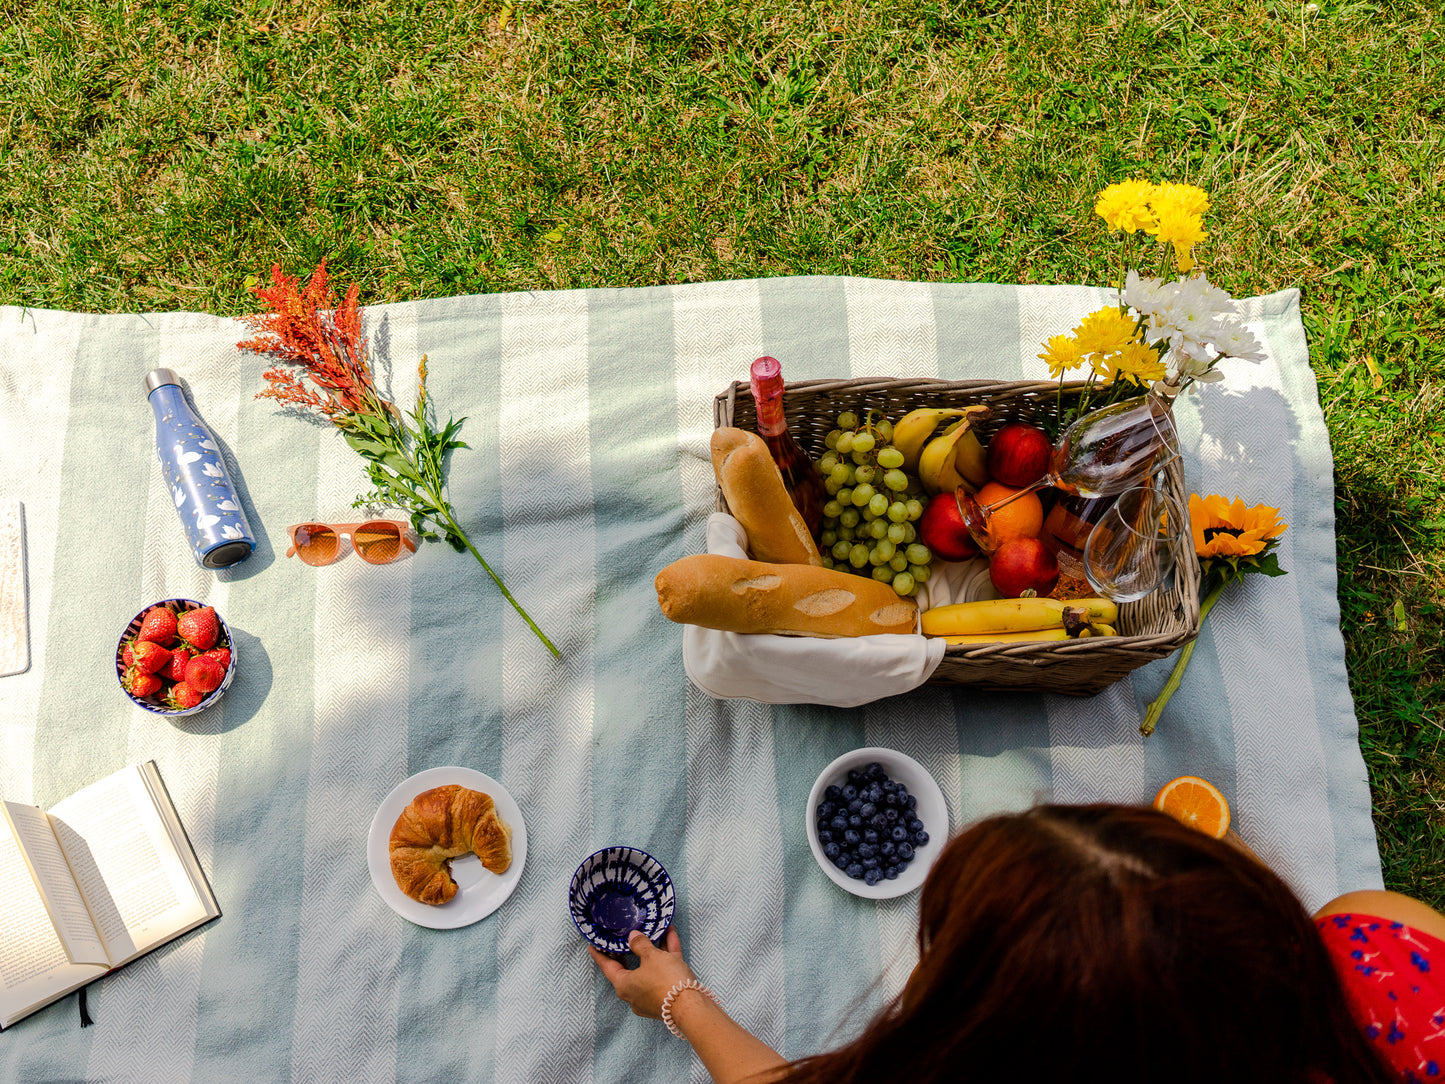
x=407 y=467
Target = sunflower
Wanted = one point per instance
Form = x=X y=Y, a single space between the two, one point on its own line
x=1222 y=529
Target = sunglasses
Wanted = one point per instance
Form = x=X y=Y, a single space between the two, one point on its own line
x=376 y=541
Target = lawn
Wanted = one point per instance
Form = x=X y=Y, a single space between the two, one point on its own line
x=156 y=156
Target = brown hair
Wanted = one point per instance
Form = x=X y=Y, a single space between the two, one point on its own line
x=1109 y=942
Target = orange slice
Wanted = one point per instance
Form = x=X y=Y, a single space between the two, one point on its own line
x=1195 y=802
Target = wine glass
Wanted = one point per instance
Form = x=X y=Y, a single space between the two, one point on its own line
x=1105 y=452
x=1130 y=552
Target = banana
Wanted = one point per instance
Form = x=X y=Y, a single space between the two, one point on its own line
x=1101 y=629
x=1100 y=611
x=911 y=432
x=938 y=465
x=976 y=638
x=971 y=460
x=996 y=615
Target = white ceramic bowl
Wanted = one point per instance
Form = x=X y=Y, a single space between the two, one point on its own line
x=931 y=810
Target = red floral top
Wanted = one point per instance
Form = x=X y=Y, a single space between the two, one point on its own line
x=1394 y=984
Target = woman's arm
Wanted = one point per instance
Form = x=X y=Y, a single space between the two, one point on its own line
x=1391 y=906
x=727 y=1050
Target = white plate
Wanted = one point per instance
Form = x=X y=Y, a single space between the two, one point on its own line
x=932 y=811
x=479 y=890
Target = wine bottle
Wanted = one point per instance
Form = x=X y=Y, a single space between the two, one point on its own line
x=195 y=474
x=800 y=476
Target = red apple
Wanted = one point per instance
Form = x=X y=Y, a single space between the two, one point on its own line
x=942 y=530
x=1020 y=564
x=1018 y=455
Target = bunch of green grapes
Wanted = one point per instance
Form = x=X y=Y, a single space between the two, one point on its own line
x=868 y=522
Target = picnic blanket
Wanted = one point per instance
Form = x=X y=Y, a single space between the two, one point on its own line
x=587 y=419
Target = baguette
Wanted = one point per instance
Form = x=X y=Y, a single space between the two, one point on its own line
x=734 y=595
x=753 y=487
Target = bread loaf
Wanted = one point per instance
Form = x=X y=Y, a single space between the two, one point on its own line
x=734 y=595
x=753 y=487
x=440 y=824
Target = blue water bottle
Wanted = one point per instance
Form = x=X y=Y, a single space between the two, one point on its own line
x=195 y=475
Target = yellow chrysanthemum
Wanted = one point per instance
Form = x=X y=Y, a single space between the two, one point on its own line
x=1186 y=197
x=1138 y=363
x=1062 y=354
x=1125 y=206
x=1182 y=229
x=1105 y=332
x=1225 y=529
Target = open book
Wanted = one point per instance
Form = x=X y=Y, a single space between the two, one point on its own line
x=104 y=877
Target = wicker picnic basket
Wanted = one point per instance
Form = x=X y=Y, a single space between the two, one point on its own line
x=1149 y=629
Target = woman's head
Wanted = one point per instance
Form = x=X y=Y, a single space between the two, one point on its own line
x=1110 y=942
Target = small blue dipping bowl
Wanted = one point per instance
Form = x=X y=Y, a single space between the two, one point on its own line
x=616 y=891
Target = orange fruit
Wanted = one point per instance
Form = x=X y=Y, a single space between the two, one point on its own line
x=1195 y=802
x=1023 y=518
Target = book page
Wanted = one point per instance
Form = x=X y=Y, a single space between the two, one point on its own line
x=57 y=888
x=133 y=880
x=34 y=967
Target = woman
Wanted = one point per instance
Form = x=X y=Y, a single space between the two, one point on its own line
x=1093 y=942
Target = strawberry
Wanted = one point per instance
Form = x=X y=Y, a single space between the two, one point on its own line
x=127 y=656
x=149 y=657
x=141 y=683
x=158 y=626
x=199 y=628
x=204 y=674
x=222 y=655
x=183 y=696
x=175 y=670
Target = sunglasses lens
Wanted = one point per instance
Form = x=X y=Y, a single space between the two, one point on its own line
x=377 y=542
x=316 y=543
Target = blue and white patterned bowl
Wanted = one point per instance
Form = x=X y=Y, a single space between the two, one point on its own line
x=155 y=703
x=616 y=891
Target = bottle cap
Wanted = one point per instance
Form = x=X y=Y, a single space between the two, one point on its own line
x=766 y=378
x=159 y=378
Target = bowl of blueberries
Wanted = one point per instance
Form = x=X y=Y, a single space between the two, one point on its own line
x=876 y=821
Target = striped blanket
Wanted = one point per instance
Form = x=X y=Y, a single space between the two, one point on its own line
x=587 y=418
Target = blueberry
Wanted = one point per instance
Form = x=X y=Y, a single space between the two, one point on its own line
x=915 y=825
x=855 y=775
x=890 y=800
x=855 y=821
x=875 y=794
x=855 y=805
x=892 y=873
x=842 y=860
x=874 y=771
x=867 y=850
x=851 y=838
x=870 y=863
x=899 y=833
x=878 y=821
x=905 y=851
x=831 y=850
x=827 y=809
x=854 y=870
x=920 y=839
x=872 y=876
x=870 y=836
x=849 y=792
x=832 y=793
x=825 y=835
x=866 y=810
x=890 y=815
x=910 y=802
x=888 y=848
x=839 y=822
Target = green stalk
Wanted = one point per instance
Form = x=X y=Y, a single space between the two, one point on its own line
x=1156 y=706
x=456 y=530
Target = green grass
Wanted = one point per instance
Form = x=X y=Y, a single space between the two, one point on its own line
x=152 y=156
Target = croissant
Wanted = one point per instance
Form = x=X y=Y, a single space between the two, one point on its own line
x=439 y=825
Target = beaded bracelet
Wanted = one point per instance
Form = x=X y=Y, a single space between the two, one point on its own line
x=685 y=984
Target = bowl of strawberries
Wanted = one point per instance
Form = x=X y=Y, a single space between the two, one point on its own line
x=175 y=657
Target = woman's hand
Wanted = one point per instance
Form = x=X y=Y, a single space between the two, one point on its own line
x=659 y=970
